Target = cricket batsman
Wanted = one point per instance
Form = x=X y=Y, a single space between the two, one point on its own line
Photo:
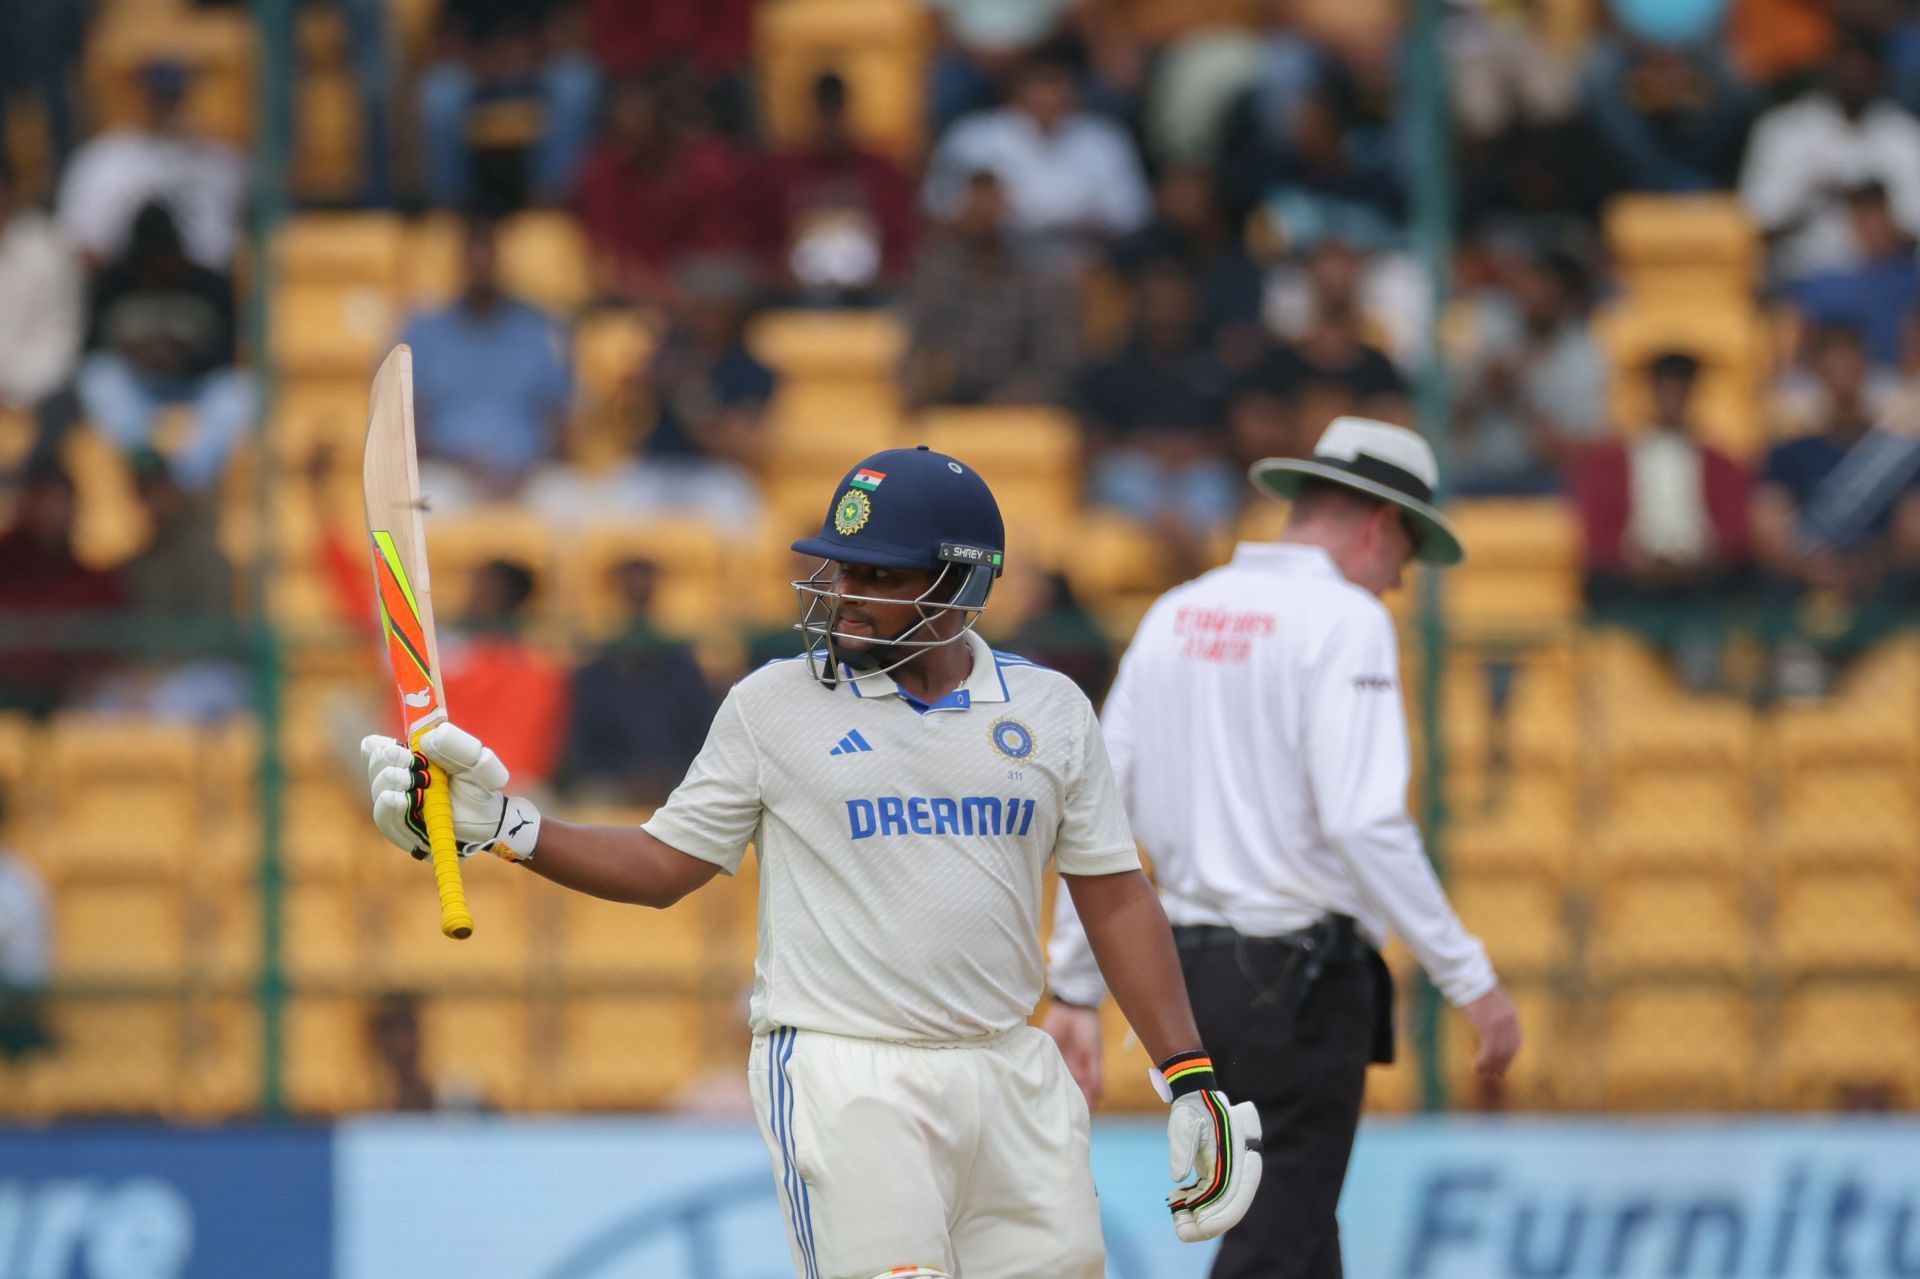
x=906 y=787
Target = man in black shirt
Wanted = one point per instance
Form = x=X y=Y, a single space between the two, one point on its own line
x=163 y=333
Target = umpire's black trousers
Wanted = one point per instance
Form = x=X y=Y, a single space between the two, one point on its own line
x=1292 y=1032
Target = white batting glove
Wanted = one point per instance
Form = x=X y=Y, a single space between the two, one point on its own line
x=484 y=818
x=1213 y=1149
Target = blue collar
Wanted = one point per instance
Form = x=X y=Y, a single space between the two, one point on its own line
x=959 y=699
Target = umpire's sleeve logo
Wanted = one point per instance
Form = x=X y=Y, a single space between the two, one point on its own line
x=1375 y=683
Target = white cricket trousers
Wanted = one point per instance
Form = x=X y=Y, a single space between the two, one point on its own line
x=969 y=1160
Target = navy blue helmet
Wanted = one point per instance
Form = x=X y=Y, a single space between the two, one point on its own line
x=906 y=509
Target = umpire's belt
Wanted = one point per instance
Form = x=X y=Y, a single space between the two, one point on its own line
x=1330 y=942
x=1334 y=938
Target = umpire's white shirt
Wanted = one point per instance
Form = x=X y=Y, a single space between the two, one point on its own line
x=1260 y=742
x=902 y=848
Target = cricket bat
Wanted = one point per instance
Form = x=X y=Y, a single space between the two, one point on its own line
x=396 y=528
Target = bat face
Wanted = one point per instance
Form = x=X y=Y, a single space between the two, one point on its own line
x=405 y=626
x=397 y=535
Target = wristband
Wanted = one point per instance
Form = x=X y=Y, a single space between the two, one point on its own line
x=518 y=832
x=1064 y=1002
x=1184 y=1073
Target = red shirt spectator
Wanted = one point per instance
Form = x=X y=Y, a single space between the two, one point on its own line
x=630 y=38
x=651 y=195
x=847 y=212
x=502 y=690
x=41 y=580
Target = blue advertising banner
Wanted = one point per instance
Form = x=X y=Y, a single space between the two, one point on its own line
x=1614 y=1199
x=166 y=1203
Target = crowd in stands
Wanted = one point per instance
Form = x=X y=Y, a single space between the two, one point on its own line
x=1197 y=240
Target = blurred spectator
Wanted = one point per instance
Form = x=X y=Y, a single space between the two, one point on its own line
x=1665 y=520
x=42 y=316
x=492 y=384
x=1329 y=370
x=26 y=946
x=1774 y=41
x=654 y=192
x=1153 y=416
x=985 y=327
x=711 y=40
x=370 y=48
x=1880 y=295
x=1672 y=115
x=46 y=591
x=709 y=396
x=511 y=696
x=1058 y=632
x=1314 y=173
x=116 y=174
x=394 y=1028
x=1534 y=380
x=640 y=708
x=980 y=45
x=1806 y=155
x=1836 y=525
x=1505 y=70
x=164 y=332
x=1073 y=180
x=1188 y=227
x=848 y=212
x=179 y=589
x=40 y=46
x=507 y=54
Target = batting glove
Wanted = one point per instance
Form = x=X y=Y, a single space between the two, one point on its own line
x=484 y=818
x=1213 y=1149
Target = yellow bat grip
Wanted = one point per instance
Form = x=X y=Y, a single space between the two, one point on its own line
x=436 y=809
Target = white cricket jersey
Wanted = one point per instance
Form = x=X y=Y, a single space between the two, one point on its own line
x=1260 y=743
x=901 y=846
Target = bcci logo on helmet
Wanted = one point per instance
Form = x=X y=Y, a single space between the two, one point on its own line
x=852 y=513
x=1012 y=738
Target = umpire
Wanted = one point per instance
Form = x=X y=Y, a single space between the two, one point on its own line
x=1257 y=731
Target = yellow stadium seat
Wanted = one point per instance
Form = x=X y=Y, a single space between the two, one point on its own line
x=119 y=933
x=330 y=1067
x=1511 y=601
x=692 y=587
x=611 y=348
x=1677 y=242
x=879 y=46
x=458 y=544
x=476 y=1050
x=1513 y=534
x=1522 y=920
x=1529 y=829
x=220 y=1066
x=19 y=757
x=332 y=329
x=498 y=953
x=842 y=419
x=1118 y=566
x=1843 y=1046
x=604 y=942
x=143 y=830
x=1668 y=926
x=223 y=920
x=1847 y=922
x=105 y=751
x=1873 y=727
x=111 y=524
x=1030 y=457
x=327 y=134
x=855 y=346
x=111 y=1056
x=543 y=258
x=324 y=935
x=341 y=248
x=431 y=271
x=1677 y=821
x=1847 y=816
x=316 y=414
x=1678 y=1050
x=324 y=830
x=1654 y=732
x=220 y=46
x=620 y=1052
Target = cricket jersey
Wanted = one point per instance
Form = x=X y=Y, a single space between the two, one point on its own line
x=902 y=845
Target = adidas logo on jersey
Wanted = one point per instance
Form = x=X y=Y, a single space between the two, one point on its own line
x=851 y=744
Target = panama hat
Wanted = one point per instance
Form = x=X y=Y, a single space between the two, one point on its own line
x=1380 y=460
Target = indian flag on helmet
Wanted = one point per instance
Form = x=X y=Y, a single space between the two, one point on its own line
x=868 y=480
